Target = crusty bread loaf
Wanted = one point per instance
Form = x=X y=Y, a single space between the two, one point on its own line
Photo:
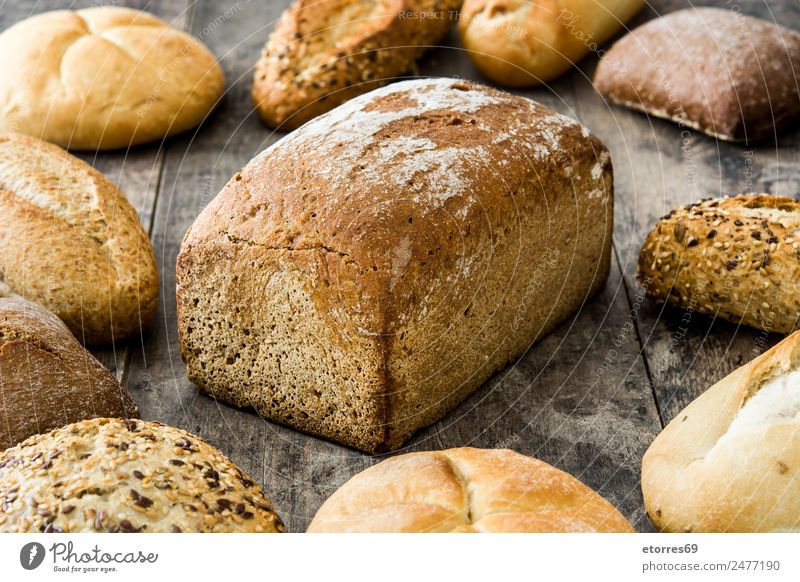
x=730 y=461
x=70 y=241
x=323 y=53
x=737 y=258
x=363 y=275
x=47 y=379
x=732 y=76
x=466 y=490
x=103 y=77
x=117 y=475
x=519 y=43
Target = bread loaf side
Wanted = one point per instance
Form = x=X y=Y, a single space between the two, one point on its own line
x=363 y=275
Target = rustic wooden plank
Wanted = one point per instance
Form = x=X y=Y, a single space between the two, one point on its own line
x=659 y=166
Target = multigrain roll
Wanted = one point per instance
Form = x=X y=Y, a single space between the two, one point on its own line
x=103 y=78
x=363 y=275
x=737 y=258
x=115 y=475
x=71 y=241
x=520 y=43
x=731 y=76
x=730 y=461
x=466 y=490
x=47 y=379
x=324 y=52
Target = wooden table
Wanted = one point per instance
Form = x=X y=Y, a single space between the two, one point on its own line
x=589 y=398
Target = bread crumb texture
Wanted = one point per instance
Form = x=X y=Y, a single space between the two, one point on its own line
x=729 y=461
x=737 y=258
x=361 y=276
x=104 y=77
x=71 y=241
x=114 y=475
x=466 y=490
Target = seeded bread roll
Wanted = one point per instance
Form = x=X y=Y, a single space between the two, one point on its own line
x=323 y=53
x=103 y=77
x=71 y=241
x=47 y=379
x=732 y=76
x=520 y=43
x=363 y=275
x=466 y=490
x=115 y=475
x=736 y=258
x=730 y=461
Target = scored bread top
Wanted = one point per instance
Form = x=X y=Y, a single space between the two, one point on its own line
x=400 y=186
x=466 y=490
x=730 y=460
x=103 y=77
x=71 y=241
x=115 y=475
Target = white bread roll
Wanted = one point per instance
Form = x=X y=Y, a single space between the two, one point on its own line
x=466 y=490
x=103 y=78
x=520 y=43
x=730 y=461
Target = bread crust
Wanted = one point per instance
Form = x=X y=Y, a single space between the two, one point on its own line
x=466 y=490
x=117 y=475
x=322 y=54
x=71 y=241
x=519 y=43
x=710 y=69
x=737 y=258
x=698 y=477
x=104 y=78
x=47 y=379
x=365 y=274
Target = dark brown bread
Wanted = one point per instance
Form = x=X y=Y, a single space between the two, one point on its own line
x=323 y=53
x=729 y=75
x=47 y=379
x=365 y=274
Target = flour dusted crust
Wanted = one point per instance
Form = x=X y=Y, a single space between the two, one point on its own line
x=466 y=490
x=71 y=241
x=729 y=75
x=360 y=277
x=520 y=43
x=737 y=258
x=115 y=475
x=103 y=78
x=47 y=379
x=720 y=465
x=323 y=53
